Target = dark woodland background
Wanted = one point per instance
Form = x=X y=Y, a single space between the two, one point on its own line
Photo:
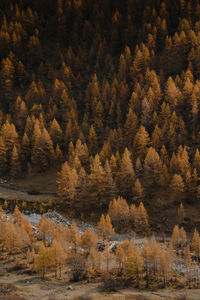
x=106 y=91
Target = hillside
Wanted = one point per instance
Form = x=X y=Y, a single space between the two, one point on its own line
x=108 y=93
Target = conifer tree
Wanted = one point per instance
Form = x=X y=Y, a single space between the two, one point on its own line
x=67 y=183
x=130 y=128
x=25 y=152
x=55 y=132
x=89 y=239
x=92 y=141
x=152 y=169
x=121 y=257
x=15 y=166
x=134 y=268
x=57 y=257
x=42 y=261
x=3 y=158
x=105 y=227
x=141 y=142
x=119 y=213
x=141 y=219
x=126 y=176
x=181 y=213
x=196 y=243
x=177 y=187
x=138 y=191
x=46 y=230
x=75 y=237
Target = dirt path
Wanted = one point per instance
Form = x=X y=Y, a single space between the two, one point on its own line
x=34 y=288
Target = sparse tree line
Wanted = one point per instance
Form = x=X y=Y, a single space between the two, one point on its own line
x=116 y=106
x=60 y=251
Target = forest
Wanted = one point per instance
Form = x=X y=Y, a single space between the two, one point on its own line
x=105 y=92
x=53 y=250
x=105 y=97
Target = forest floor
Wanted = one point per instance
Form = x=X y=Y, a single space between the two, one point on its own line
x=31 y=288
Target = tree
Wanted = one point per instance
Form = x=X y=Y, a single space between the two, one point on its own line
x=15 y=166
x=94 y=259
x=10 y=138
x=134 y=268
x=141 y=142
x=121 y=257
x=126 y=176
x=89 y=239
x=3 y=158
x=152 y=170
x=130 y=128
x=138 y=191
x=196 y=161
x=196 y=243
x=55 y=132
x=42 y=260
x=92 y=141
x=179 y=238
x=156 y=138
x=105 y=226
x=13 y=240
x=46 y=230
x=75 y=237
x=119 y=213
x=67 y=183
x=57 y=257
x=93 y=192
x=7 y=78
x=141 y=219
x=177 y=187
x=25 y=153
x=107 y=254
x=181 y=213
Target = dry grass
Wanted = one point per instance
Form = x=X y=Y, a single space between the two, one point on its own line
x=44 y=182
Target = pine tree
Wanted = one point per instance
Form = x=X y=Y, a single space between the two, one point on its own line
x=130 y=128
x=105 y=227
x=75 y=237
x=119 y=213
x=138 y=191
x=152 y=170
x=134 y=268
x=94 y=259
x=121 y=257
x=42 y=261
x=181 y=213
x=92 y=141
x=196 y=161
x=57 y=257
x=126 y=176
x=46 y=230
x=95 y=187
x=3 y=158
x=196 y=243
x=141 y=219
x=25 y=152
x=141 y=142
x=15 y=166
x=177 y=187
x=55 y=132
x=67 y=183
x=89 y=239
